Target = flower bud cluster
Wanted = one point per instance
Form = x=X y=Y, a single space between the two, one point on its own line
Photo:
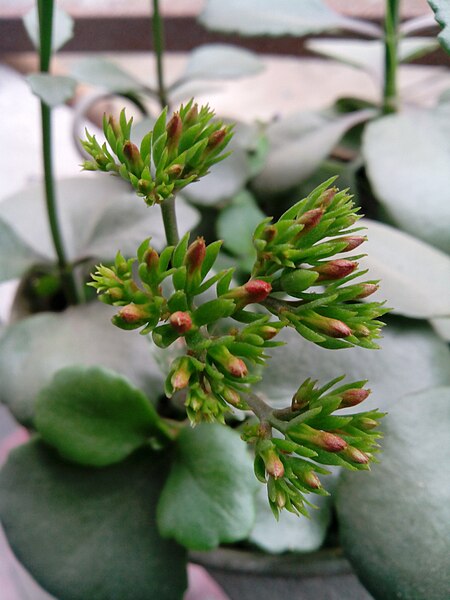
x=296 y=254
x=313 y=435
x=171 y=156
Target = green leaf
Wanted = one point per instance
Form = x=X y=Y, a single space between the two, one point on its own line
x=411 y=358
x=105 y=74
x=412 y=180
x=52 y=89
x=395 y=525
x=16 y=257
x=62 y=27
x=292 y=533
x=32 y=350
x=236 y=224
x=90 y=533
x=221 y=61
x=441 y=10
x=98 y=216
x=261 y=17
x=94 y=416
x=414 y=276
x=209 y=495
x=369 y=54
x=298 y=144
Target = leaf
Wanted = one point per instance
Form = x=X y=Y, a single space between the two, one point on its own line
x=414 y=276
x=442 y=15
x=62 y=32
x=221 y=61
x=411 y=358
x=105 y=74
x=260 y=17
x=90 y=533
x=209 y=495
x=412 y=180
x=292 y=533
x=34 y=349
x=297 y=146
x=94 y=416
x=369 y=54
x=98 y=216
x=52 y=89
x=395 y=525
x=441 y=325
x=16 y=258
x=236 y=224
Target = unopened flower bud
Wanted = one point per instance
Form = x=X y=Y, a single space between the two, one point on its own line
x=191 y=116
x=274 y=466
x=115 y=293
x=311 y=479
x=281 y=499
x=332 y=327
x=234 y=365
x=353 y=397
x=254 y=291
x=323 y=439
x=237 y=367
x=175 y=171
x=310 y=219
x=353 y=241
x=181 y=321
x=151 y=258
x=182 y=374
x=335 y=269
x=131 y=152
x=216 y=138
x=368 y=289
x=144 y=186
x=232 y=397
x=267 y=332
x=174 y=129
x=367 y=423
x=133 y=313
x=355 y=455
x=361 y=331
x=114 y=126
x=195 y=255
x=327 y=197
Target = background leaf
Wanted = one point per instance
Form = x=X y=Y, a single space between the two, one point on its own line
x=52 y=89
x=395 y=526
x=209 y=495
x=90 y=533
x=94 y=416
x=62 y=30
x=260 y=17
x=15 y=256
x=104 y=73
x=414 y=276
x=412 y=179
x=32 y=350
x=221 y=61
x=441 y=9
x=298 y=144
x=98 y=216
x=411 y=358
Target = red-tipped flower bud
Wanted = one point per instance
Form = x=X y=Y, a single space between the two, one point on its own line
x=182 y=374
x=175 y=171
x=267 y=332
x=323 y=439
x=327 y=196
x=195 y=255
x=368 y=289
x=335 y=269
x=151 y=258
x=311 y=479
x=356 y=455
x=181 y=321
x=367 y=423
x=257 y=290
x=192 y=115
x=310 y=219
x=274 y=466
x=216 y=138
x=332 y=327
x=114 y=126
x=133 y=313
x=353 y=397
x=353 y=241
x=131 y=152
x=174 y=129
x=237 y=367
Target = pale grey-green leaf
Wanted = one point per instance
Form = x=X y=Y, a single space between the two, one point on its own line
x=221 y=61
x=52 y=89
x=105 y=74
x=395 y=526
x=32 y=350
x=16 y=257
x=441 y=9
x=441 y=325
x=62 y=27
x=414 y=275
x=407 y=157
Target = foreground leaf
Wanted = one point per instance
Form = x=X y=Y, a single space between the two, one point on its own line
x=85 y=533
x=441 y=9
x=412 y=180
x=395 y=526
x=32 y=350
x=94 y=416
x=52 y=89
x=209 y=495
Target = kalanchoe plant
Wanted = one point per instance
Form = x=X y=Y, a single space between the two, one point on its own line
x=297 y=281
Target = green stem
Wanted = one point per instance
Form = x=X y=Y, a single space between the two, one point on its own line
x=391 y=37
x=45 y=12
x=158 y=44
x=170 y=221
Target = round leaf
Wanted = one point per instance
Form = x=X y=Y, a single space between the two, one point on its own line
x=412 y=179
x=411 y=358
x=105 y=74
x=32 y=350
x=221 y=61
x=414 y=276
x=15 y=256
x=98 y=214
x=395 y=526
x=297 y=146
x=52 y=89
x=209 y=495
x=442 y=13
x=94 y=416
x=260 y=17
x=90 y=533
x=62 y=30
